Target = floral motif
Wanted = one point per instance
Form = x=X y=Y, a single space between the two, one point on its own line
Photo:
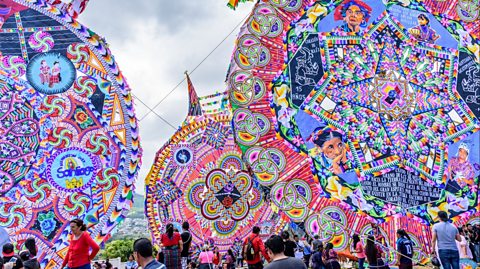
x=227 y=195
x=285 y=115
x=316 y=11
x=47 y=223
x=82 y=118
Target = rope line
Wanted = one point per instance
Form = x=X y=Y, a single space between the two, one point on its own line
x=195 y=68
x=162 y=118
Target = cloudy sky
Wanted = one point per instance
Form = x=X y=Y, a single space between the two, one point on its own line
x=155 y=42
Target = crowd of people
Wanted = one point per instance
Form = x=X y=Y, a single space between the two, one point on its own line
x=24 y=259
x=286 y=250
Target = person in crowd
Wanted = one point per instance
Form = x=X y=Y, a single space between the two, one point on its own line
x=444 y=235
x=330 y=257
x=82 y=248
x=374 y=253
x=108 y=264
x=216 y=257
x=205 y=258
x=299 y=247
x=252 y=247
x=172 y=247
x=29 y=256
x=307 y=251
x=275 y=246
x=131 y=263
x=96 y=265
x=317 y=261
x=229 y=259
x=143 y=254
x=187 y=241
x=289 y=244
x=476 y=241
x=239 y=253
x=462 y=245
x=377 y=234
x=359 y=251
x=10 y=259
x=404 y=250
x=473 y=235
x=316 y=242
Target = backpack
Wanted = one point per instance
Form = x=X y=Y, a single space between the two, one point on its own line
x=249 y=250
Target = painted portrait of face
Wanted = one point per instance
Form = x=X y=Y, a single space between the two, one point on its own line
x=462 y=155
x=422 y=20
x=354 y=13
x=459 y=167
x=354 y=16
x=329 y=143
x=333 y=147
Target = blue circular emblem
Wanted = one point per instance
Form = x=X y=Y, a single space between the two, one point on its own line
x=72 y=169
x=51 y=73
x=183 y=156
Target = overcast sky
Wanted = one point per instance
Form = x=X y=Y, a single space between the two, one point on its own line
x=154 y=42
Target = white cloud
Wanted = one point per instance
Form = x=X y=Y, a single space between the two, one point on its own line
x=154 y=42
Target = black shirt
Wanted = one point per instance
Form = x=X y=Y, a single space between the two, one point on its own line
x=31 y=264
x=290 y=247
x=187 y=241
x=18 y=263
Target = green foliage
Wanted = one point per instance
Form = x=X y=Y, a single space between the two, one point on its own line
x=118 y=248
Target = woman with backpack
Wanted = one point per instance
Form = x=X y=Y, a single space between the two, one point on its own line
x=330 y=257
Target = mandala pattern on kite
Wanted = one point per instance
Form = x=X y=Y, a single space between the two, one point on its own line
x=384 y=107
x=217 y=195
x=68 y=134
x=371 y=104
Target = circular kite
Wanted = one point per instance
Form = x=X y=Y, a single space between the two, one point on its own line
x=368 y=113
x=68 y=133
x=199 y=177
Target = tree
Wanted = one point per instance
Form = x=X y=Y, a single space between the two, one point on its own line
x=118 y=248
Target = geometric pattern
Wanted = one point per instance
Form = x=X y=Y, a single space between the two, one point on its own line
x=199 y=176
x=363 y=108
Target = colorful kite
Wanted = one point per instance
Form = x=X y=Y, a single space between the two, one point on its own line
x=199 y=176
x=361 y=111
x=68 y=134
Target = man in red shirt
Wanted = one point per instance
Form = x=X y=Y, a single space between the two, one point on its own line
x=254 y=244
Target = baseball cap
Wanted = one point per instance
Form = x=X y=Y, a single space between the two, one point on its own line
x=7 y=250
